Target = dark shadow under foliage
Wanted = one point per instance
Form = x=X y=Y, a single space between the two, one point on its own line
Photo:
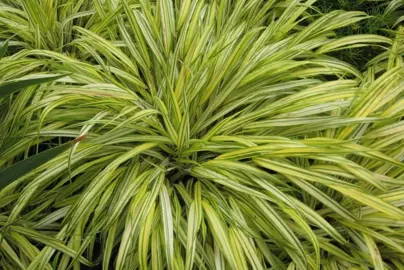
x=379 y=23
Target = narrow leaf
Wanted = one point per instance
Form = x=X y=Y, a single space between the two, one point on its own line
x=11 y=87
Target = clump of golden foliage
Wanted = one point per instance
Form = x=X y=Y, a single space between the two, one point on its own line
x=198 y=134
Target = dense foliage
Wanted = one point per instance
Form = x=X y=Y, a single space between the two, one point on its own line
x=190 y=134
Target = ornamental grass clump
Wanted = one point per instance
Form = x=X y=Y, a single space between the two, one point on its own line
x=197 y=135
